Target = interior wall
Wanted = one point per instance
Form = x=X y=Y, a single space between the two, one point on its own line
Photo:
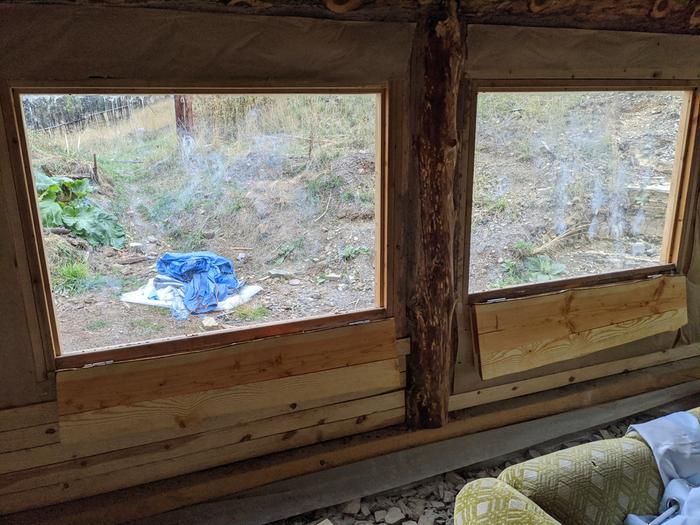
x=52 y=451
x=132 y=422
x=537 y=54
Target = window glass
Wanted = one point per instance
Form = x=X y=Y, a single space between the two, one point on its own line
x=569 y=184
x=166 y=215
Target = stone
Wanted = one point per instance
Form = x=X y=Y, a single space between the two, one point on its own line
x=454 y=478
x=294 y=282
x=352 y=507
x=241 y=257
x=325 y=522
x=394 y=515
x=426 y=519
x=280 y=274
x=210 y=323
x=137 y=247
x=364 y=509
x=333 y=277
x=209 y=234
x=379 y=515
x=448 y=496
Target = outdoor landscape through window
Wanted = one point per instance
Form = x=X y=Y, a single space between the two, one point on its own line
x=167 y=215
x=568 y=184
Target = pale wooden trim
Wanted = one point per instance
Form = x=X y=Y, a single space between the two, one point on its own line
x=147 y=421
x=127 y=382
x=539 y=384
x=680 y=180
x=565 y=325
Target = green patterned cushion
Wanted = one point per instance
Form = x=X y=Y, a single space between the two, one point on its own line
x=493 y=502
x=598 y=483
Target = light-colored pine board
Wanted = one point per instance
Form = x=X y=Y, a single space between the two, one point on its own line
x=28 y=437
x=287 y=425
x=28 y=416
x=539 y=384
x=208 y=410
x=156 y=465
x=158 y=497
x=522 y=334
x=125 y=383
x=88 y=434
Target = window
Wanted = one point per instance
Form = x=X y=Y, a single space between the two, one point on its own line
x=571 y=183
x=278 y=191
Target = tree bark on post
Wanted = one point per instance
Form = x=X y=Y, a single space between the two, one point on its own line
x=184 y=121
x=438 y=56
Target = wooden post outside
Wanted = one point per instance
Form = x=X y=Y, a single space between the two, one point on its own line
x=184 y=121
x=436 y=76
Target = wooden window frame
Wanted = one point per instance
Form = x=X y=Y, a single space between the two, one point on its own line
x=26 y=197
x=675 y=233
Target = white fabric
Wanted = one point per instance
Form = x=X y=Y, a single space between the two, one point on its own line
x=675 y=442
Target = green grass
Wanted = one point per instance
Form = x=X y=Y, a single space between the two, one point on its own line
x=94 y=325
x=322 y=185
x=350 y=252
x=72 y=278
x=366 y=197
x=250 y=313
x=287 y=250
x=145 y=324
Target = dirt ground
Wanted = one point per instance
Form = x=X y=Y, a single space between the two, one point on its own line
x=295 y=218
x=318 y=282
x=578 y=186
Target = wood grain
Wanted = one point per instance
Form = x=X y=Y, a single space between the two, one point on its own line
x=574 y=323
x=169 y=494
x=122 y=469
x=212 y=409
x=492 y=394
x=126 y=383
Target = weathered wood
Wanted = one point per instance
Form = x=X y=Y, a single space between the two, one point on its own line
x=662 y=16
x=288 y=498
x=492 y=394
x=147 y=421
x=184 y=117
x=437 y=73
x=573 y=323
x=204 y=486
x=124 y=383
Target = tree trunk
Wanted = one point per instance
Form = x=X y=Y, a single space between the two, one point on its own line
x=436 y=76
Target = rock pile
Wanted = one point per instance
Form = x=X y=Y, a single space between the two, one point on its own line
x=431 y=501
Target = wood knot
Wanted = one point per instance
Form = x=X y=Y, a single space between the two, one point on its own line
x=660 y=9
x=536 y=6
x=695 y=18
x=343 y=6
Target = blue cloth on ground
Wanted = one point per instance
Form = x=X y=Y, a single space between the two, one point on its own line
x=207 y=277
x=675 y=442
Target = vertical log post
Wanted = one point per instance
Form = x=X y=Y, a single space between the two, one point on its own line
x=438 y=55
x=184 y=121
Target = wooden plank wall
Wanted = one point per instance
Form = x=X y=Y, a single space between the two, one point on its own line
x=566 y=325
x=201 y=410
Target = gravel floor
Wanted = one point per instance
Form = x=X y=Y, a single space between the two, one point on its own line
x=430 y=502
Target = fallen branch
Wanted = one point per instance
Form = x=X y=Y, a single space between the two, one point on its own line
x=324 y=211
x=58 y=230
x=567 y=233
x=133 y=260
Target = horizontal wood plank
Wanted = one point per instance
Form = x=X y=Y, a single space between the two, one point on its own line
x=115 y=428
x=522 y=334
x=212 y=409
x=28 y=416
x=125 y=383
x=151 y=499
x=123 y=470
x=28 y=437
x=492 y=394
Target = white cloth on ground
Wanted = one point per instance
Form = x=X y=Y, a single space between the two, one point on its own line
x=675 y=443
